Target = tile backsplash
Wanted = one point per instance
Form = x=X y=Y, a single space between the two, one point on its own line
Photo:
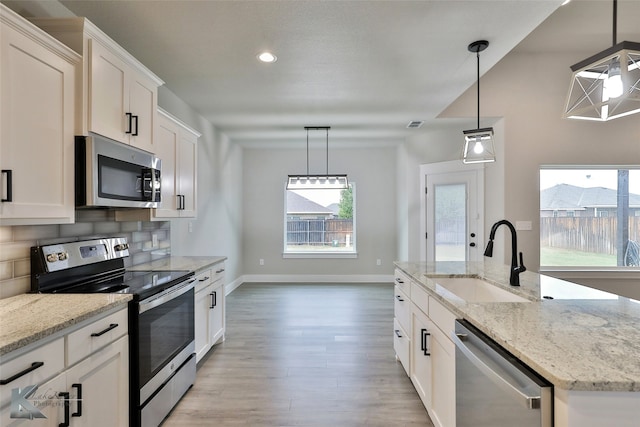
x=16 y=241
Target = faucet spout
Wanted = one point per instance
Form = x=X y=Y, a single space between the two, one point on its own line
x=515 y=270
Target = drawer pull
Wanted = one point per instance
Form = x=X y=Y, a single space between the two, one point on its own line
x=398 y=333
x=204 y=279
x=33 y=367
x=220 y=271
x=399 y=298
x=111 y=326
x=399 y=280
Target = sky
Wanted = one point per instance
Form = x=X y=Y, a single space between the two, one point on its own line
x=607 y=178
x=321 y=197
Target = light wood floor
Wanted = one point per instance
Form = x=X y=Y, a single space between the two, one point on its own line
x=304 y=355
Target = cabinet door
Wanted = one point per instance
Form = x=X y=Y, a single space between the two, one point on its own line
x=203 y=319
x=108 y=94
x=167 y=150
x=36 y=132
x=217 y=312
x=187 y=168
x=443 y=404
x=421 y=355
x=143 y=94
x=103 y=383
x=48 y=402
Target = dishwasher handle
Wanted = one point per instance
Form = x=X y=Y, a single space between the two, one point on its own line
x=530 y=402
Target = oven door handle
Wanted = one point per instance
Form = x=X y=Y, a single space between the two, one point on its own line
x=166 y=296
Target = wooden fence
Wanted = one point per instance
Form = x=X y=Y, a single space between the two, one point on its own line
x=596 y=235
x=319 y=232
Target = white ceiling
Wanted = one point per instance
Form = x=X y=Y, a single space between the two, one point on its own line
x=365 y=68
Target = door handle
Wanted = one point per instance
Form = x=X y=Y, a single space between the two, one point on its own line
x=472 y=244
x=130 y=122
x=78 y=387
x=135 y=133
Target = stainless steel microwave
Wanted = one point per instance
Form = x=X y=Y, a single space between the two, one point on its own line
x=112 y=174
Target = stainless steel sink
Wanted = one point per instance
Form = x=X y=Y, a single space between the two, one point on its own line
x=473 y=289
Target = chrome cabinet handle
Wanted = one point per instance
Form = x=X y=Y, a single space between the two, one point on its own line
x=398 y=333
x=399 y=298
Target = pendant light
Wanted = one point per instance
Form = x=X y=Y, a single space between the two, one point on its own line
x=318 y=181
x=606 y=85
x=478 y=143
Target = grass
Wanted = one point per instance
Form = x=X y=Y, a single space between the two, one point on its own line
x=556 y=257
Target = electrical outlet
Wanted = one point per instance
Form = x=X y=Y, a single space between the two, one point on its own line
x=378 y=262
x=190 y=227
x=261 y=261
x=154 y=240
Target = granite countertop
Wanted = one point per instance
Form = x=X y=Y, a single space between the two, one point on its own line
x=27 y=318
x=191 y=263
x=582 y=339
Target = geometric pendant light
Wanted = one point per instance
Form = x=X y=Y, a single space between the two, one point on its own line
x=606 y=85
x=318 y=181
x=478 y=143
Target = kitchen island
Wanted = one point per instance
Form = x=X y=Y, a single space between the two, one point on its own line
x=584 y=341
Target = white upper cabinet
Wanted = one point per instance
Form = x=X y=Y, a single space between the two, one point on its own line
x=177 y=147
x=37 y=124
x=119 y=94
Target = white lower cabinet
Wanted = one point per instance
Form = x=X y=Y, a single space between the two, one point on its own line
x=430 y=357
x=92 y=392
x=421 y=355
x=209 y=309
x=102 y=381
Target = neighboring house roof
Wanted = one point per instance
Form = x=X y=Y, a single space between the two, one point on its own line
x=297 y=204
x=570 y=197
x=335 y=208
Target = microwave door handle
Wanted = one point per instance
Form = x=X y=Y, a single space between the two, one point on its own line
x=155 y=187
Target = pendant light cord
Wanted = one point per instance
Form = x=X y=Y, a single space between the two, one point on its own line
x=327 y=129
x=307 y=152
x=478 y=69
x=615 y=22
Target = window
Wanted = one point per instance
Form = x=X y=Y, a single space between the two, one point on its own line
x=320 y=223
x=590 y=217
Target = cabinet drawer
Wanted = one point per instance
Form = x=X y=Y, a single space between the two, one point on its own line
x=203 y=279
x=47 y=360
x=401 y=345
x=402 y=308
x=403 y=282
x=96 y=335
x=441 y=316
x=420 y=297
x=218 y=272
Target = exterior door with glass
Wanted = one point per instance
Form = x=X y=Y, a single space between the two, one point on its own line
x=453 y=210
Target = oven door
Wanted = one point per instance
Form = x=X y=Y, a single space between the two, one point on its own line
x=112 y=174
x=165 y=336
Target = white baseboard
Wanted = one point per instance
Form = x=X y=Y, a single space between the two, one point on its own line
x=317 y=278
x=308 y=278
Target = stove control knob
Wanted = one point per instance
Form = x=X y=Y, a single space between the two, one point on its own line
x=62 y=256
x=121 y=247
x=52 y=257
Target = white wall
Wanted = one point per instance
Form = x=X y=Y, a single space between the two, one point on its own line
x=265 y=171
x=217 y=230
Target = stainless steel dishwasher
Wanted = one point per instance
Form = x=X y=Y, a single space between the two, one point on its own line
x=495 y=389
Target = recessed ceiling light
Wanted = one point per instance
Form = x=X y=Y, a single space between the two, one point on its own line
x=267 y=57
